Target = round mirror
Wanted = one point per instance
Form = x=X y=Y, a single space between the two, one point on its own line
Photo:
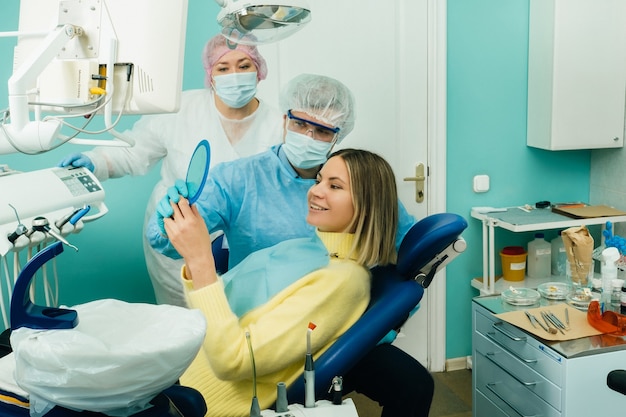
x=198 y=170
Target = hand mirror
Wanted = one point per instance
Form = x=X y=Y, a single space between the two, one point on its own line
x=198 y=170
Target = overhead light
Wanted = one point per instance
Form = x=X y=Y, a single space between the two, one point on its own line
x=262 y=21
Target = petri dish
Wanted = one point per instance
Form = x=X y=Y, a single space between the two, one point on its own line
x=554 y=290
x=521 y=296
x=579 y=300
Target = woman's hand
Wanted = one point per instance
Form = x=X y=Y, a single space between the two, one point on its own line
x=189 y=235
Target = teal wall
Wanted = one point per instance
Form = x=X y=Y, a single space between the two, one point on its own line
x=486 y=124
x=487 y=58
x=109 y=263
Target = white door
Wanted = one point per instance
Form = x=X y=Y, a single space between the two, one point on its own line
x=380 y=50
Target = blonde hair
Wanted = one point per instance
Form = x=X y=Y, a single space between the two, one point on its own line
x=375 y=200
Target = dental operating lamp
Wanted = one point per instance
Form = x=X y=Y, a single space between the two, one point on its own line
x=264 y=21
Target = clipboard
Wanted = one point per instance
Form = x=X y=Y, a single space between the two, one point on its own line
x=585 y=211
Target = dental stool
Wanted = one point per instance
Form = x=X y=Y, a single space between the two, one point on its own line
x=396 y=290
x=175 y=401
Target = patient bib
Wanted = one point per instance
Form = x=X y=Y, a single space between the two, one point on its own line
x=266 y=272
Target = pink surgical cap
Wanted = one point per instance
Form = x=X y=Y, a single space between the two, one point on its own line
x=218 y=46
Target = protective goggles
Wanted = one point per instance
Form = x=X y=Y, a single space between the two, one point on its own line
x=319 y=132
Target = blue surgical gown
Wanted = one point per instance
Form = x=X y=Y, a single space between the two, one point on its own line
x=257 y=202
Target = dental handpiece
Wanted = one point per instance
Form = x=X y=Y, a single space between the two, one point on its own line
x=20 y=230
x=41 y=224
x=72 y=217
x=309 y=371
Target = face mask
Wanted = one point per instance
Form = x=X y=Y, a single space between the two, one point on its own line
x=236 y=89
x=305 y=152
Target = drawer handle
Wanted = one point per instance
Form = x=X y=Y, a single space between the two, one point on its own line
x=490 y=356
x=497 y=325
x=491 y=386
x=517 y=356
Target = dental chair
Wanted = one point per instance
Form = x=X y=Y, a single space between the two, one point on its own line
x=396 y=290
x=175 y=401
x=429 y=245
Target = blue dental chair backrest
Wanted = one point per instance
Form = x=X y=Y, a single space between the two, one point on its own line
x=396 y=290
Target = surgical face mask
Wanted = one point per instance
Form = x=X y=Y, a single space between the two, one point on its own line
x=236 y=89
x=305 y=152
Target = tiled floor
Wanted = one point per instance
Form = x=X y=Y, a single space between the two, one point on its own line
x=453 y=396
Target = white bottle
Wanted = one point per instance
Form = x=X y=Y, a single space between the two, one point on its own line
x=559 y=257
x=539 y=257
x=609 y=273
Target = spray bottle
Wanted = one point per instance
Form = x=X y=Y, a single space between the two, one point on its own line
x=609 y=272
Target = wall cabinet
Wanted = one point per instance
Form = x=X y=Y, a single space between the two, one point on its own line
x=576 y=74
x=516 y=374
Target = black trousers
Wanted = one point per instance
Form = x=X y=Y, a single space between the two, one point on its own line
x=398 y=382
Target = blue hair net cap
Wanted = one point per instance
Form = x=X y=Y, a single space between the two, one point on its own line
x=324 y=98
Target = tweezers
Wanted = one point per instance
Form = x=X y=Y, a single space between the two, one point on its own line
x=534 y=320
x=530 y=319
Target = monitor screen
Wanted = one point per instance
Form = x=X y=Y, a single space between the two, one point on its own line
x=143 y=40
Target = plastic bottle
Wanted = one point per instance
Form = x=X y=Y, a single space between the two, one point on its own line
x=622 y=300
x=559 y=257
x=616 y=295
x=539 y=257
x=609 y=273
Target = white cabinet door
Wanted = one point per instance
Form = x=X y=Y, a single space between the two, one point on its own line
x=576 y=74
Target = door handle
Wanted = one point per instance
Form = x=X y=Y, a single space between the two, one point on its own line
x=419 y=180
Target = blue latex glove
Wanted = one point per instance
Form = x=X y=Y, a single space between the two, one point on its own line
x=164 y=207
x=77 y=160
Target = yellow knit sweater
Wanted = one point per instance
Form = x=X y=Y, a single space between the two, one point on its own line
x=333 y=298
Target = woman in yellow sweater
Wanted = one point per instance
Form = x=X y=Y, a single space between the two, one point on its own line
x=354 y=207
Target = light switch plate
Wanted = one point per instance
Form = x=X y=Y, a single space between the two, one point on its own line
x=481 y=183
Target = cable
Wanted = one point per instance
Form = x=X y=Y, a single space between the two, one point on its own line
x=108 y=128
x=52 y=291
x=63 y=139
x=5 y=318
x=255 y=409
x=32 y=287
x=45 y=284
x=16 y=266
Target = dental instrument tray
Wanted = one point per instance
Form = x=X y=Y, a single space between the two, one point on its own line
x=521 y=296
x=554 y=290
